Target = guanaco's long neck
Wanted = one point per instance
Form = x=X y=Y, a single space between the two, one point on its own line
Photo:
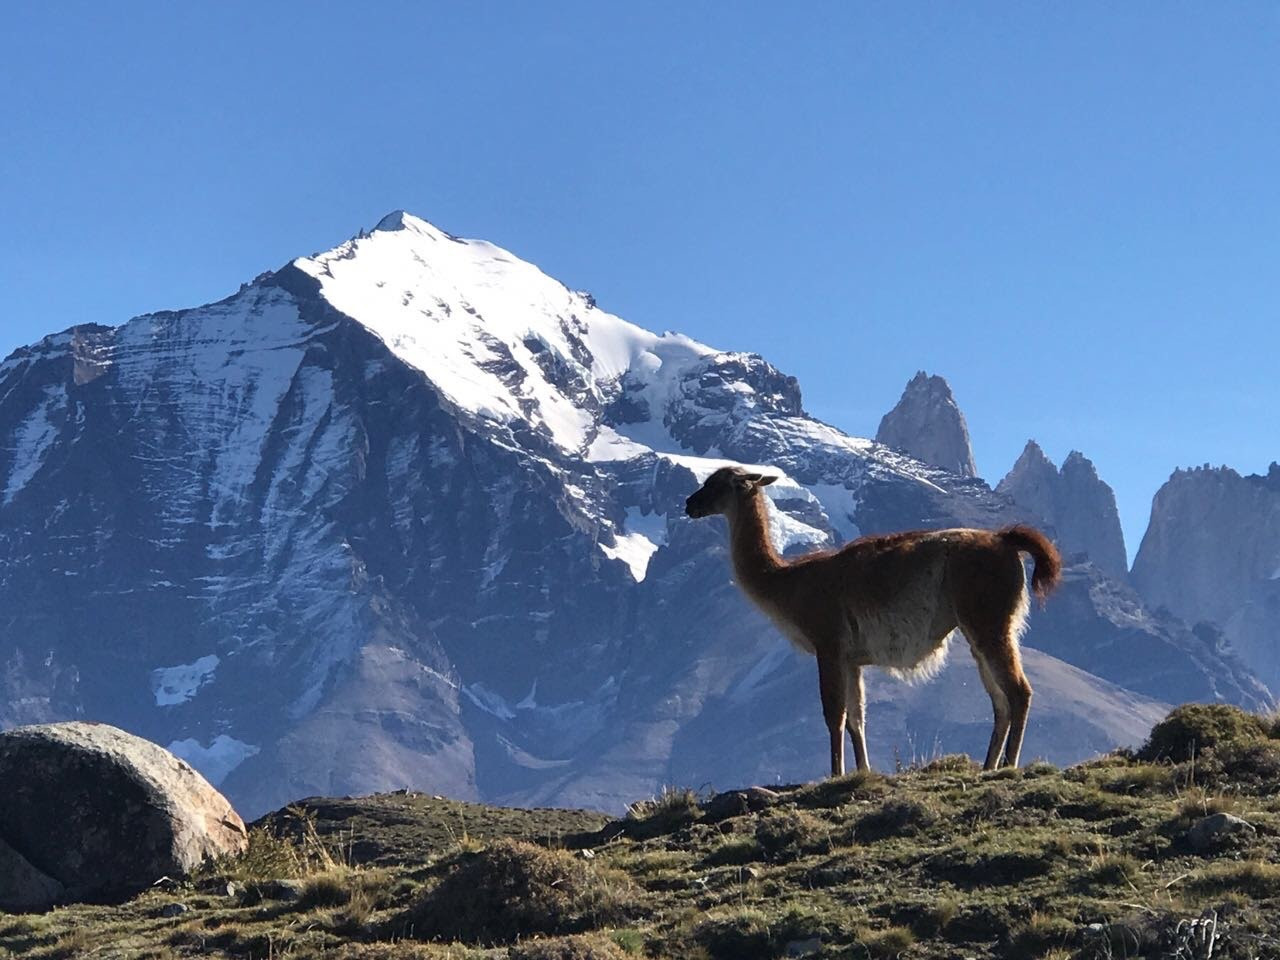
x=754 y=560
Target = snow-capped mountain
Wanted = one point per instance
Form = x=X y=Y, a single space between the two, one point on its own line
x=409 y=513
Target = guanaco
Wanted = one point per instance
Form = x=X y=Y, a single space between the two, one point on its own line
x=893 y=602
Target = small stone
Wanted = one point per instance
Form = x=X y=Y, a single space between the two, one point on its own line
x=174 y=909
x=1218 y=830
x=803 y=948
x=234 y=889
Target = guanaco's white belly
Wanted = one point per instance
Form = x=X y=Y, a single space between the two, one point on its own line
x=908 y=632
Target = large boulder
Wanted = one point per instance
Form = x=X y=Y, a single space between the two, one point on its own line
x=100 y=813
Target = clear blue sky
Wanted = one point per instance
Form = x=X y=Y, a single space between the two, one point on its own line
x=1071 y=211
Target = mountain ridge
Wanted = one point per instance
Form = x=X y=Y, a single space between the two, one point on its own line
x=255 y=532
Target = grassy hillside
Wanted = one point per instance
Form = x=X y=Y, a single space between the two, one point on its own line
x=1097 y=860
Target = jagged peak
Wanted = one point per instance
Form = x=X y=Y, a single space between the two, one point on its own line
x=927 y=423
x=1078 y=462
x=931 y=383
x=1032 y=462
x=1206 y=470
x=1033 y=453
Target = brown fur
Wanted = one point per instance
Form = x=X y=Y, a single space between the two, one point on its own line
x=1048 y=569
x=890 y=601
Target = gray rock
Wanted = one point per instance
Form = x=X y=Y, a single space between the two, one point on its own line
x=174 y=909
x=928 y=425
x=105 y=813
x=803 y=948
x=735 y=803
x=287 y=890
x=1101 y=625
x=1211 y=553
x=23 y=887
x=1219 y=830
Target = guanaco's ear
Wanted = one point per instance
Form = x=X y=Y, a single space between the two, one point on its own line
x=764 y=481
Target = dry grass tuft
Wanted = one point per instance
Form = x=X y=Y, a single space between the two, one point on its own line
x=587 y=947
x=890 y=942
x=515 y=889
x=670 y=802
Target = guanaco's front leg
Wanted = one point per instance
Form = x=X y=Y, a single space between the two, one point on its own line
x=831 y=685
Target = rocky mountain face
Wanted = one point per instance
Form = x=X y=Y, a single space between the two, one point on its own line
x=1078 y=506
x=410 y=513
x=927 y=424
x=1212 y=553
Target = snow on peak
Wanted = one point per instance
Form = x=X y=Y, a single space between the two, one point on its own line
x=403 y=220
x=496 y=335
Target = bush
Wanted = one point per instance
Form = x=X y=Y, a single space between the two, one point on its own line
x=736 y=936
x=884 y=943
x=785 y=835
x=514 y=889
x=896 y=818
x=1193 y=727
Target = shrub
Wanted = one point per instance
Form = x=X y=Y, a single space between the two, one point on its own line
x=1247 y=764
x=895 y=818
x=735 y=936
x=885 y=943
x=990 y=803
x=787 y=834
x=1193 y=727
x=515 y=889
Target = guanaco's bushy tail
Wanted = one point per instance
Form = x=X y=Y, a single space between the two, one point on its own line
x=1048 y=569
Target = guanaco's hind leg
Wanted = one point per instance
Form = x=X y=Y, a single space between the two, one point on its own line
x=1017 y=691
x=855 y=703
x=831 y=685
x=991 y=604
x=1000 y=707
x=1001 y=670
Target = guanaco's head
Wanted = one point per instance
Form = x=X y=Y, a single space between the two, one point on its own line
x=723 y=488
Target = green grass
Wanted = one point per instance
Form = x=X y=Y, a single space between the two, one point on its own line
x=940 y=860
